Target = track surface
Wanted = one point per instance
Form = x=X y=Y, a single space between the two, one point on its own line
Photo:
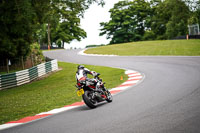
x=167 y=101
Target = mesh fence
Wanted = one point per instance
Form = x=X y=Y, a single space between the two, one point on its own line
x=194 y=29
x=16 y=64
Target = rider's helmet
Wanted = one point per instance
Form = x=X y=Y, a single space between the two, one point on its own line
x=80 y=67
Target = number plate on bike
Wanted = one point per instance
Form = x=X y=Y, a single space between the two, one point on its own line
x=80 y=92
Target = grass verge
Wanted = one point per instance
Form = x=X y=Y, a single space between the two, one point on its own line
x=165 y=47
x=56 y=90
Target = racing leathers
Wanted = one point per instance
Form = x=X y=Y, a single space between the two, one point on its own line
x=81 y=77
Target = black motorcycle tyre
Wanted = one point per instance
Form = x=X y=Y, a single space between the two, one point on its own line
x=88 y=102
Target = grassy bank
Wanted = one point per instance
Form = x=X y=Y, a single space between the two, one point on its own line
x=165 y=47
x=52 y=92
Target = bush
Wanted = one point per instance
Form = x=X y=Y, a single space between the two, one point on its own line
x=148 y=35
x=36 y=54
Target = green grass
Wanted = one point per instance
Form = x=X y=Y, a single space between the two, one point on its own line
x=165 y=47
x=52 y=92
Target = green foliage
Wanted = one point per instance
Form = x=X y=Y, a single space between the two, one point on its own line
x=170 y=19
x=68 y=31
x=128 y=21
x=26 y=21
x=195 y=14
x=149 y=35
x=16 y=28
x=63 y=20
x=137 y=20
x=36 y=53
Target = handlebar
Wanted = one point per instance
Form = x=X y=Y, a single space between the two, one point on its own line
x=95 y=74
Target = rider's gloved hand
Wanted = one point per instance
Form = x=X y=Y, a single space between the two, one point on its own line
x=93 y=73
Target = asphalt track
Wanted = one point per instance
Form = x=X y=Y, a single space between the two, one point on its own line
x=167 y=101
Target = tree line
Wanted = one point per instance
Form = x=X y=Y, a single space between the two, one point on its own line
x=24 y=22
x=135 y=20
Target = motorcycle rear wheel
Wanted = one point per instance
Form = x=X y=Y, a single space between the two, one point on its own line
x=88 y=99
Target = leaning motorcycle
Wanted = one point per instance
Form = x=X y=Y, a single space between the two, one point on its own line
x=90 y=95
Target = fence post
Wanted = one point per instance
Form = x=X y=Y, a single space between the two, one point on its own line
x=7 y=65
x=32 y=63
x=22 y=62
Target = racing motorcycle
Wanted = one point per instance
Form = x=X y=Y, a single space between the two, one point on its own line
x=92 y=96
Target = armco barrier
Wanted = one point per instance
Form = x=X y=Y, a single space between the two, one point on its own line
x=27 y=75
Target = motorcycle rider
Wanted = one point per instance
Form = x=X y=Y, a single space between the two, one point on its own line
x=81 y=76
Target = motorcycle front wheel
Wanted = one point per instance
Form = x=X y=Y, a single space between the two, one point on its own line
x=88 y=98
x=109 y=96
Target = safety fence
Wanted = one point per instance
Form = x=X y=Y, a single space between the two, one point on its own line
x=189 y=37
x=27 y=75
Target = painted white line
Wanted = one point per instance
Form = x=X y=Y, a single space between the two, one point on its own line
x=136 y=77
x=119 y=88
x=132 y=75
x=55 y=111
x=130 y=71
x=4 y=126
x=131 y=82
x=82 y=53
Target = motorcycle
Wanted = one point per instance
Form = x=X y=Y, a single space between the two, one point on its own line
x=92 y=96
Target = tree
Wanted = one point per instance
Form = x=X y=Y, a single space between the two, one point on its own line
x=129 y=19
x=57 y=13
x=194 y=6
x=16 y=28
x=25 y=21
x=198 y=13
x=68 y=31
x=171 y=19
